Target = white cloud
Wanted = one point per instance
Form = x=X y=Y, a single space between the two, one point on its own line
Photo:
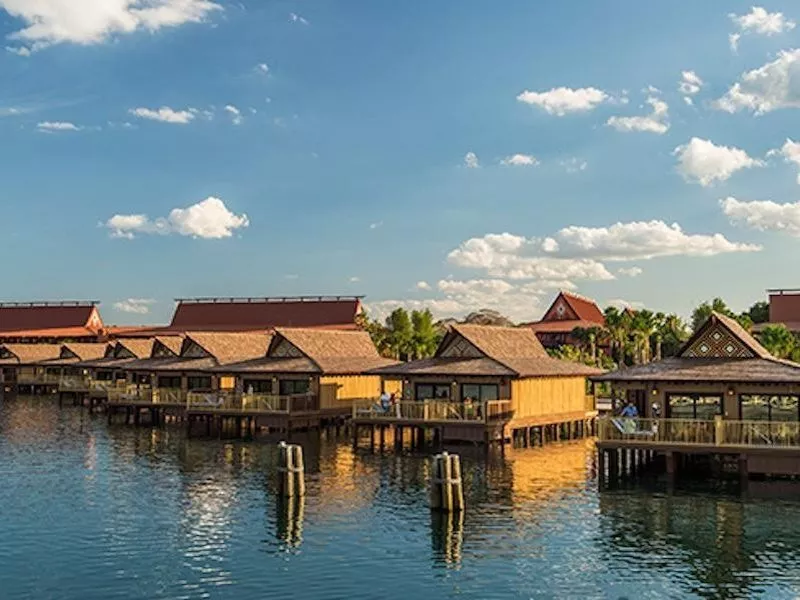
x=574 y=165
x=630 y=271
x=704 y=162
x=638 y=240
x=262 y=68
x=759 y=21
x=763 y=215
x=19 y=50
x=355 y=279
x=790 y=152
x=235 y=113
x=772 y=86
x=52 y=126
x=376 y=225
x=295 y=18
x=471 y=160
x=136 y=306
x=165 y=114
x=423 y=285
x=208 y=219
x=520 y=160
x=563 y=100
x=49 y=22
x=690 y=83
x=733 y=41
x=656 y=122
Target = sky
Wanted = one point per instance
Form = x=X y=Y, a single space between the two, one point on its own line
x=450 y=155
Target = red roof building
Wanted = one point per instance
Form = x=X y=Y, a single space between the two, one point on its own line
x=52 y=322
x=567 y=312
x=784 y=309
x=259 y=314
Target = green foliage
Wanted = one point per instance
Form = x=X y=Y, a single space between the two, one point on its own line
x=404 y=336
x=426 y=336
x=759 y=312
x=780 y=342
x=701 y=314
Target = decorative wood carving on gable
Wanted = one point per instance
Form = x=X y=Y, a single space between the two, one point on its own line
x=560 y=311
x=717 y=342
x=285 y=349
x=460 y=348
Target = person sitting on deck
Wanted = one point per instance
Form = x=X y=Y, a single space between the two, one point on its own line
x=395 y=402
x=384 y=403
x=630 y=412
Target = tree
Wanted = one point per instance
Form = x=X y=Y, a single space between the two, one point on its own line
x=617 y=326
x=672 y=334
x=425 y=335
x=759 y=312
x=643 y=327
x=701 y=314
x=401 y=333
x=779 y=341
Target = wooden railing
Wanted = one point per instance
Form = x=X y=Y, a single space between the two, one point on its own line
x=227 y=401
x=435 y=410
x=38 y=378
x=717 y=432
x=132 y=394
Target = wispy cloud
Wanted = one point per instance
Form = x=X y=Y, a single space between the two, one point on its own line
x=136 y=306
x=235 y=113
x=165 y=114
x=471 y=160
x=54 y=126
x=295 y=18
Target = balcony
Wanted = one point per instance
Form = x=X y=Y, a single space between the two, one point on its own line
x=435 y=411
x=690 y=432
x=230 y=402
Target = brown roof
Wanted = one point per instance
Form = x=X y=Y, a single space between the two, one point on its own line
x=33 y=317
x=734 y=328
x=85 y=351
x=60 y=333
x=24 y=354
x=580 y=312
x=710 y=369
x=507 y=351
x=565 y=326
x=272 y=365
x=171 y=342
x=585 y=308
x=139 y=348
x=230 y=347
x=264 y=313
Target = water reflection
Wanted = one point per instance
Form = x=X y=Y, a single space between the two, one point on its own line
x=126 y=512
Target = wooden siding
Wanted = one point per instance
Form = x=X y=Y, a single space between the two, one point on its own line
x=340 y=391
x=543 y=396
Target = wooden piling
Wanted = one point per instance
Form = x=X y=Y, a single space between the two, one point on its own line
x=291 y=470
x=447 y=490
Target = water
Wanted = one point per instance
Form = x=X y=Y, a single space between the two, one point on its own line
x=89 y=511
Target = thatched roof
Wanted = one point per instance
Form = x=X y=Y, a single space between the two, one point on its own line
x=28 y=354
x=172 y=343
x=229 y=347
x=86 y=351
x=134 y=347
x=720 y=350
x=319 y=351
x=490 y=351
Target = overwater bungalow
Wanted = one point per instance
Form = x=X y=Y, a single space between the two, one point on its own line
x=110 y=372
x=723 y=396
x=484 y=384
x=44 y=368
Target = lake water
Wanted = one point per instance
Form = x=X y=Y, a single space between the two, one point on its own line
x=89 y=511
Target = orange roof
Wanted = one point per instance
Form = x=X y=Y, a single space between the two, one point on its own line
x=60 y=332
x=571 y=308
x=560 y=326
x=35 y=316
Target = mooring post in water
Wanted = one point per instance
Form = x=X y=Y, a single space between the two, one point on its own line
x=447 y=491
x=291 y=470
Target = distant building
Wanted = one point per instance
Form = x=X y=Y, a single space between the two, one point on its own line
x=567 y=312
x=784 y=308
x=50 y=322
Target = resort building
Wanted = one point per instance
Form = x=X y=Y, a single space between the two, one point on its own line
x=723 y=394
x=784 y=309
x=50 y=322
x=39 y=368
x=567 y=312
x=488 y=383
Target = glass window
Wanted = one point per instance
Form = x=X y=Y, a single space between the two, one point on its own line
x=482 y=392
x=290 y=387
x=258 y=386
x=784 y=408
x=169 y=382
x=707 y=407
x=754 y=408
x=681 y=407
x=768 y=408
x=431 y=391
x=199 y=382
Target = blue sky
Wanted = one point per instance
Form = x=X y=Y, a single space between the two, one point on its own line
x=342 y=166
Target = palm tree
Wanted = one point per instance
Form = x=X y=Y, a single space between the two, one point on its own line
x=616 y=325
x=643 y=326
x=779 y=341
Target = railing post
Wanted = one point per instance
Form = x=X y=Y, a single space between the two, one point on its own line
x=719 y=430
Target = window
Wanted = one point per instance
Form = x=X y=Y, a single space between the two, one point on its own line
x=694 y=406
x=199 y=382
x=290 y=387
x=258 y=386
x=432 y=391
x=169 y=382
x=754 y=407
x=481 y=392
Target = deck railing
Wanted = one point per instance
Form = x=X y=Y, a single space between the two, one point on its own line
x=38 y=378
x=228 y=401
x=435 y=410
x=131 y=394
x=717 y=432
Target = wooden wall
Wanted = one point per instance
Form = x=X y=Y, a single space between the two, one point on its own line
x=543 y=396
x=340 y=391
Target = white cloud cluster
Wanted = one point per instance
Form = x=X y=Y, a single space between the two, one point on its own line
x=690 y=83
x=520 y=160
x=630 y=271
x=759 y=21
x=165 y=114
x=135 y=306
x=86 y=22
x=763 y=215
x=235 y=113
x=262 y=68
x=772 y=86
x=423 y=285
x=471 y=160
x=656 y=122
x=295 y=18
x=574 y=165
x=563 y=100
x=53 y=126
x=704 y=162
x=208 y=219
x=790 y=152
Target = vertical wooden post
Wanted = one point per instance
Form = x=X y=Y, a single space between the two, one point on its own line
x=447 y=491
x=601 y=466
x=291 y=470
